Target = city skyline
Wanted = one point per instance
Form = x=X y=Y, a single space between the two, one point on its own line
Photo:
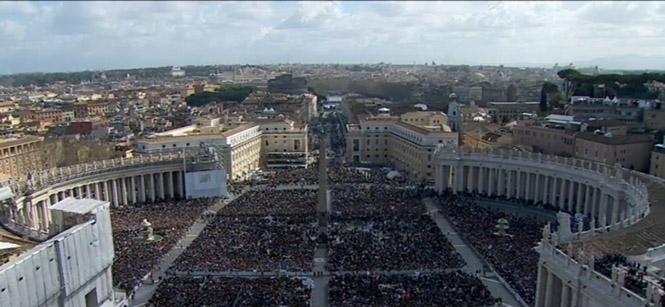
x=75 y=36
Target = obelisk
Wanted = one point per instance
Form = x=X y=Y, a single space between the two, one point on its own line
x=322 y=208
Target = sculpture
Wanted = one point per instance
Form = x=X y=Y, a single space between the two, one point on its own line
x=147 y=231
x=501 y=227
x=592 y=262
x=554 y=239
x=581 y=257
x=563 y=232
x=580 y=226
x=569 y=250
x=622 y=276
x=614 y=272
x=546 y=231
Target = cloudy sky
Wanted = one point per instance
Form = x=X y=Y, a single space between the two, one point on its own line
x=71 y=36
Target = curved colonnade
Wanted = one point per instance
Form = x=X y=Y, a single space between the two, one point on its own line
x=120 y=181
x=612 y=198
x=597 y=190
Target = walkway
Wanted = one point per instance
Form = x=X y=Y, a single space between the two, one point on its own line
x=145 y=291
x=473 y=262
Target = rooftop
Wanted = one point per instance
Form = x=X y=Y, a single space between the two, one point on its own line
x=13 y=141
x=615 y=139
x=78 y=206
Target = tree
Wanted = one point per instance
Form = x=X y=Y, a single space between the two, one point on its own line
x=543 y=101
x=225 y=93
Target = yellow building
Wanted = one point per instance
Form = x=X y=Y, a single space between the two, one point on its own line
x=406 y=142
x=272 y=143
x=21 y=156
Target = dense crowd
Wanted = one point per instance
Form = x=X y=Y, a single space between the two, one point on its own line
x=385 y=228
x=262 y=230
x=512 y=256
x=134 y=259
x=231 y=292
x=439 y=289
x=335 y=175
x=351 y=200
x=385 y=242
x=273 y=202
x=635 y=272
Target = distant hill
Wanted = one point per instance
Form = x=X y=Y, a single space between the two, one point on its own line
x=626 y=62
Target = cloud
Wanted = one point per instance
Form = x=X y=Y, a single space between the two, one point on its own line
x=68 y=36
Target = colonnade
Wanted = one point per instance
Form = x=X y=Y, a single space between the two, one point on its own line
x=123 y=190
x=568 y=194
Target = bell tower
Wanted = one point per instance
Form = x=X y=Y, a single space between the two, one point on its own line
x=453 y=113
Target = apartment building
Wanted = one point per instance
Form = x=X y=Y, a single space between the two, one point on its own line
x=240 y=146
x=631 y=151
x=284 y=144
x=654 y=117
x=46 y=115
x=20 y=156
x=82 y=110
x=627 y=111
x=548 y=138
x=507 y=111
x=657 y=165
x=405 y=142
x=271 y=143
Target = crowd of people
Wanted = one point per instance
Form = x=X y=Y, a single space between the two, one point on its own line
x=336 y=175
x=635 y=272
x=264 y=231
x=273 y=202
x=450 y=289
x=134 y=259
x=389 y=242
x=231 y=292
x=385 y=228
x=349 y=200
x=511 y=256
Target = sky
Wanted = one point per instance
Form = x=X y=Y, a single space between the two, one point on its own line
x=73 y=36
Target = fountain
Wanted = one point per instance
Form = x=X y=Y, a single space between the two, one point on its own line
x=146 y=233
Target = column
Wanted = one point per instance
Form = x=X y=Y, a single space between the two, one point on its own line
x=132 y=185
x=537 y=195
x=571 y=196
x=603 y=209
x=98 y=192
x=615 y=209
x=549 y=288
x=579 y=198
x=595 y=212
x=588 y=202
x=142 y=191
x=124 y=193
x=114 y=192
x=562 y=194
x=181 y=184
x=540 y=282
x=573 y=301
x=502 y=182
x=151 y=187
x=510 y=187
x=526 y=176
x=490 y=181
x=79 y=191
x=169 y=178
x=565 y=296
x=43 y=206
x=160 y=185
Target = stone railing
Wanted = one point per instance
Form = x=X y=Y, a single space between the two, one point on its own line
x=58 y=175
x=591 y=282
x=634 y=191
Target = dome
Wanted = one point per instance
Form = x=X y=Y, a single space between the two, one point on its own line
x=452 y=96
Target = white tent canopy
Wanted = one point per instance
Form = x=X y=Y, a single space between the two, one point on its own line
x=394 y=174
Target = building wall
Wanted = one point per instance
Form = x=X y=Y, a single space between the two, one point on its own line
x=64 y=269
x=20 y=156
x=632 y=155
x=408 y=148
x=657 y=165
x=425 y=118
x=654 y=119
x=545 y=140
